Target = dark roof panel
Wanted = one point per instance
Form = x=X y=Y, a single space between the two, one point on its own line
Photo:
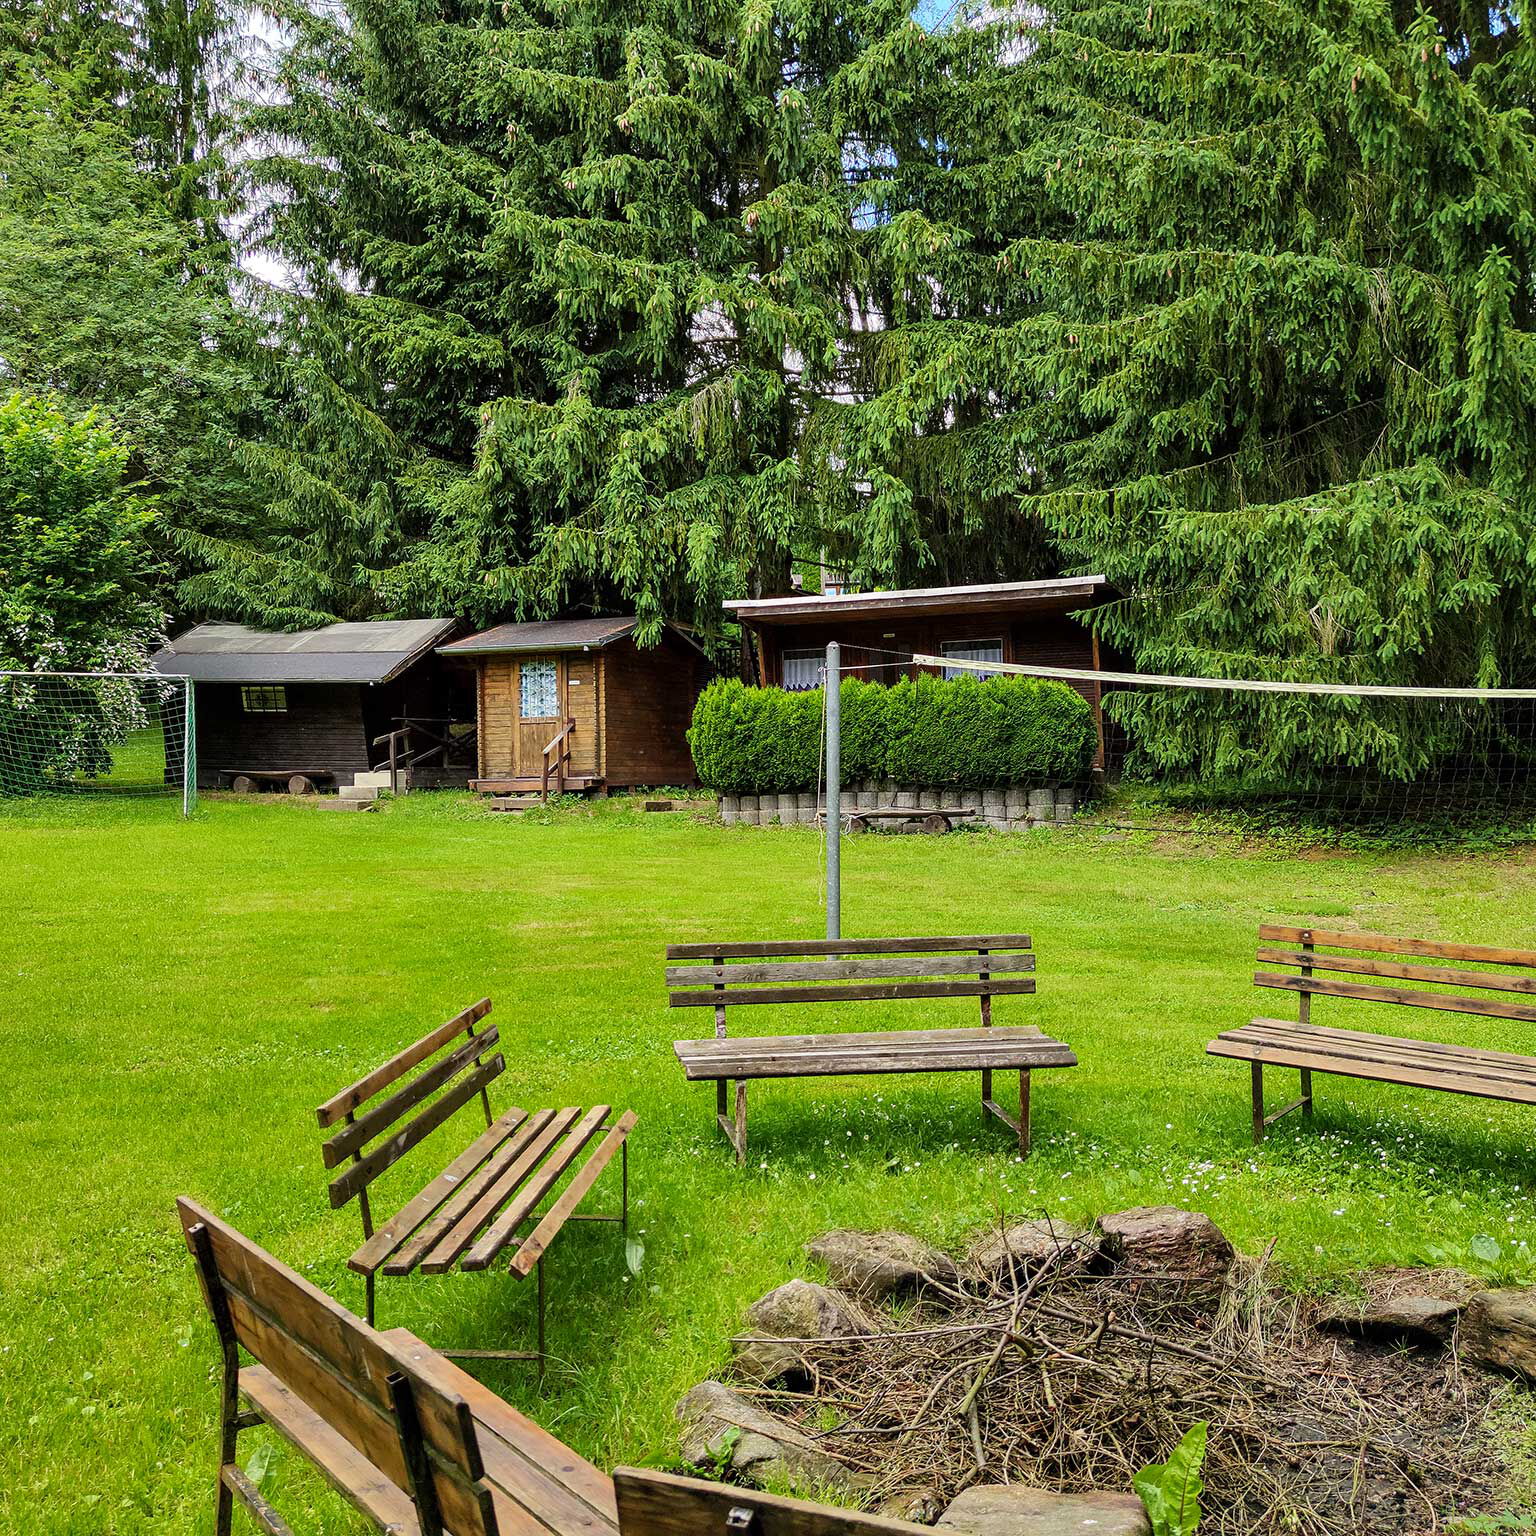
x=548 y=635
x=369 y=652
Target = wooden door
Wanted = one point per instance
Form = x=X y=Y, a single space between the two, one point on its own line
x=540 y=711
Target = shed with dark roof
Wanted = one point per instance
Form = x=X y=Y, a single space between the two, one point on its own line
x=576 y=704
x=322 y=703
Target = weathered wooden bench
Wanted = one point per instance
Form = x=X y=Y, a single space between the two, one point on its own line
x=297 y=781
x=1308 y=968
x=418 y=1446
x=859 y=970
x=470 y=1212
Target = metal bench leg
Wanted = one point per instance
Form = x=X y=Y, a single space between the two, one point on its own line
x=1306 y=1092
x=1024 y=1112
x=986 y=1091
x=1256 y=1072
x=542 y=1354
x=735 y=1129
x=368 y=1282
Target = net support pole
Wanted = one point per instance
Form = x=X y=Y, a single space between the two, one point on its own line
x=188 y=751
x=833 y=694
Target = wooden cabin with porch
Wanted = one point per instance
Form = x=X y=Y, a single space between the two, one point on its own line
x=314 y=709
x=1008 y=621
x=576 y=705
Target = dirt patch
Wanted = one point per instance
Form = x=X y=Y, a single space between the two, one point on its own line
x=1075 y=1379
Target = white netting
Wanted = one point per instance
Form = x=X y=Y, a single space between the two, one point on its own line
x=1325 y=753
x=71 y=733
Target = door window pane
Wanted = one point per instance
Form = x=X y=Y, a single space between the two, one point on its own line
x=802 y=670
x=971 y=650
x=538 y=696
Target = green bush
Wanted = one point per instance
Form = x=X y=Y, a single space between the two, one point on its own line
x=924 y=732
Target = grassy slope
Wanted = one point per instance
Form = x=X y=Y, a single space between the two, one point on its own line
x=175 y=998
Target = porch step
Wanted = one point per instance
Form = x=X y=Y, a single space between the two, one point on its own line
x=377 y=778
x=359 y=792
x=575 y=784
x=339 y=804
x=517 y=804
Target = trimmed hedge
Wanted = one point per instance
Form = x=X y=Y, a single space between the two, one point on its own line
x=926 y=732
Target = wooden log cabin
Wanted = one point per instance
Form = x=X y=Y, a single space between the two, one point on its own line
x=320 y=704
x=1011 y=621
x=576 y=704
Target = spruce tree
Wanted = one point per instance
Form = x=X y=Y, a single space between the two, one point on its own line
x=1232 y=303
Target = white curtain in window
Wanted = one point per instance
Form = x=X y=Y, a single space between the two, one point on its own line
x=538 y=696
x=972 y=650
x=802 y=669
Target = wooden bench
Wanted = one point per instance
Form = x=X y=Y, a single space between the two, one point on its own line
x=470 y=1212
x=1308 y=968
x=297 y=781
x=418 y=1446
x=934 y=819
x=859 y=970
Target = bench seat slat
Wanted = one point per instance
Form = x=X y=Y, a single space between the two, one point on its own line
x=834 y=969
x=534 y=1187
x=765 y=950
x=405 y=1221
x=853 y=1054
x=441 y=1255
x=349 y=1472
x=1449 y=1002
x=1514 y=1061
x=532 y=1248
x=864 y=992
x=1381 y=943
x=522 y=1459
x=407 y=1253
x=1449 y=1073
x=1390 y=1051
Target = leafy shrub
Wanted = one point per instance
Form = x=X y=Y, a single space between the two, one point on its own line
x=924 y=731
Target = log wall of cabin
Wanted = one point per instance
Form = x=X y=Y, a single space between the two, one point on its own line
x=648 y=699
x=322 y=727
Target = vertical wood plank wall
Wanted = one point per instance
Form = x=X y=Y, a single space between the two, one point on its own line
x=648 y=699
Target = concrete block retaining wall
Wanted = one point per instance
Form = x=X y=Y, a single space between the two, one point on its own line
x=1015 y=809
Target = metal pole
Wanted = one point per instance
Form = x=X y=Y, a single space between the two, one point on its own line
x=189 y=753
x=833 y=694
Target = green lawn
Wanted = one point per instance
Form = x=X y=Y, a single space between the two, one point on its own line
x=176 y=997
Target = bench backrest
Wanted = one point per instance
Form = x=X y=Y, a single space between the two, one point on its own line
x=1309 y=968
x=662 y=1504
x=982 y=966
x=453 y=1068
x=421 y=1438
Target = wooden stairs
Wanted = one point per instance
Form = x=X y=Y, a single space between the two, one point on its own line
x=524 y=794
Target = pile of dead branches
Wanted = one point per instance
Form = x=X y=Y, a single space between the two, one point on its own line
x=1067 y=1377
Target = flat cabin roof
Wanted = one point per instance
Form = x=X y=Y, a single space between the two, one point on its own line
x=1060 y=594
x=372 y=651
x=543 y=635
x=547 y=635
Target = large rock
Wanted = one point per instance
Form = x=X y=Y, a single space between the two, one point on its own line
x=1013 y=1510
x=878 y=1264
x=1021 y=1249
x=1164 y=1242
x=799 y=1310
x=1418 y=1305
x=765 y=1449
x=1498 y=1329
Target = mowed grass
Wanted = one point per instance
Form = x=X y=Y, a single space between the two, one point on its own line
x=177 y=997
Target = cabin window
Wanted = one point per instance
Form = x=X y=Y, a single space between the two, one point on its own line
x=971 y=650
x=538 y=695
x=802 y=669
x=264 y=701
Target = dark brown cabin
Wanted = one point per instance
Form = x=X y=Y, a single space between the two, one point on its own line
x=1011 y=621
x=579 y=699
x=322 y=703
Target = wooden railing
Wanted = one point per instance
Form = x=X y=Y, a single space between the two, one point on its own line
x=561 y=747
x=414 y=741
